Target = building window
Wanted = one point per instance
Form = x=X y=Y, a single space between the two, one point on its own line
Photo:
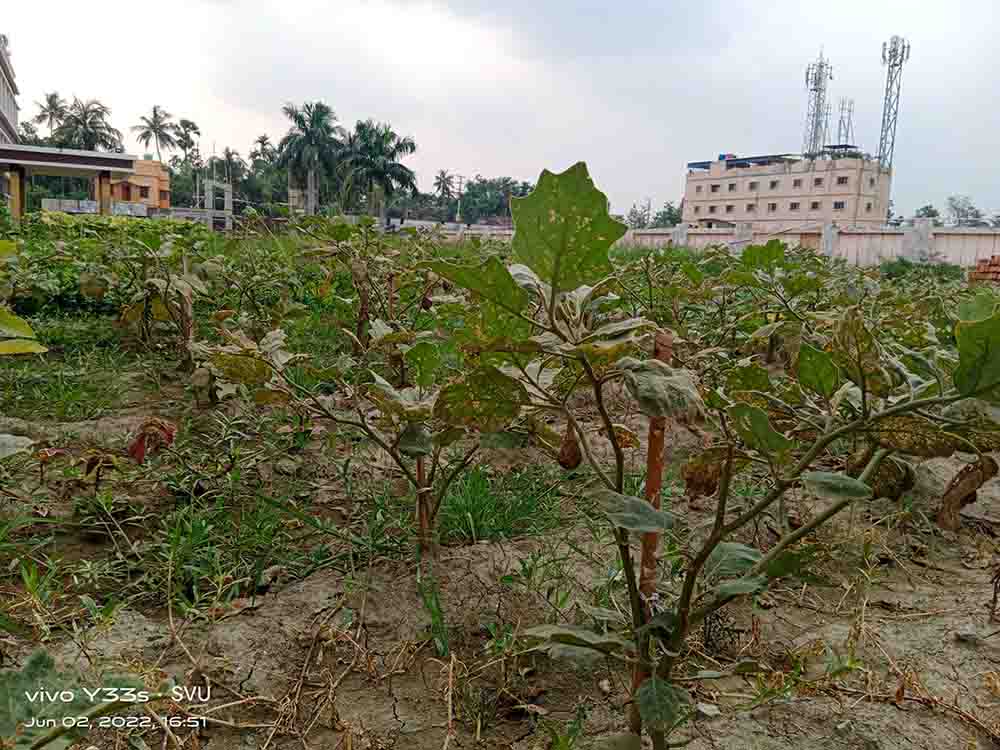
x=697 y=188
x=697 y=209
x=871 y=182
x=715 y=188
x=793 y=206
x=752 y=186
x=775 y=184
x=732 y=187
x=143 y=191
x=815 y=206
x=711 y=209
x=868 y=208
x=751 y=207
x=796 y=183
x=817 y=182
x=841 y=180
x=772 y=207
x=839 y=205
x=164 y=195
x=729 y=208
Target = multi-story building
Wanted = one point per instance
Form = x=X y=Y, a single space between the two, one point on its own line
x=8 y=96
x=784 y=191
x=149 y=184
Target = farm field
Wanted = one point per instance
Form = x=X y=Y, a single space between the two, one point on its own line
x=333 y=488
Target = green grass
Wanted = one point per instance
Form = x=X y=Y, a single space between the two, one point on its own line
x=481 y=505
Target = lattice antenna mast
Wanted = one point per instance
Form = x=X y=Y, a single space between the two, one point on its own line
x=895 y=52
x=845 y=126
x=818 y=110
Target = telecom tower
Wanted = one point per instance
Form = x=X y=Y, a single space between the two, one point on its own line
x=845 y=126
x=818 y=110
x=895 y=52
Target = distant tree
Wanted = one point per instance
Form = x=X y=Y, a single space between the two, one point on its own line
x=263 y=150
x=85 y=126
x=927 y=212
x=962 y=211
x=640 y=215
x=184 y=133
x=374 y=159
x=230 y=165
x=668 y=216
x=27 y=134
x=51 y=111
x=157 y=127
x=444 y=185
x=311 y=147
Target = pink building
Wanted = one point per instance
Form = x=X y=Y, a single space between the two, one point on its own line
x=784 y=191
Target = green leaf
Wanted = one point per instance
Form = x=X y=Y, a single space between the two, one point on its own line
x=830 y=486
x=731 y=559
x=633 y=513
x=240 y=368
x=978 y=355
x=425 y=357
x=755 y=429
x=571 y=635
x=764 y=257
x=817 y=371
x=21 y=346
x=415 y=440
x=12 y=326
x=486 y=399
x=491 y=281
x=980 y=307
x=748 y=378
x=661 y=705
x=8 y=249
x=661 y=390
x=793 y=562
x=563 y=230
x=741 y=586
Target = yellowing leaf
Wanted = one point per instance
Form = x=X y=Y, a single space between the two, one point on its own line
x=14 y=327
x=21 y=346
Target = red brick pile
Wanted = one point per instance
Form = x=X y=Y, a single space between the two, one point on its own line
x=987 y=269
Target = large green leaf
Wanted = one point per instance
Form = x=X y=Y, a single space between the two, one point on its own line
x=817 y=371
x=8 y=249
x=661 y=704
x=832 y=486
x=415 y=440
x=859 y=355
x=633 y=513
x=425 y=357
x=491 y=281
x=731 y=559
x=486 y=400
x=978 y=355
x=980 y=307
x=12 y=326
x=755 y=429
x=661 y=390
x=21 y=346
x=741 y=586
x=748 y=378
x=764 y=257
x=563 y=230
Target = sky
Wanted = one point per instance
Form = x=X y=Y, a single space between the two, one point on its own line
x=636 y=88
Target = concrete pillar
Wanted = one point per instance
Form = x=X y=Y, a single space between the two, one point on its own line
x=828 y=241
x=18 y=198
x=227 y=205
x=104 y=193
x=918 y=243
x=679 y=235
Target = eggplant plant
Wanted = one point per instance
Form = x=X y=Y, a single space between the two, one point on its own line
x=551 y=322
x=16 y=334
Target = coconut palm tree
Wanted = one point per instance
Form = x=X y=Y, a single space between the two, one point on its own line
x=263 y=149
x=444 y=185
x=184 y=132
x=230 y=164
x=51 y=111
x=311 y=147
x=86 y=126
x=157 y=128
x=374 y=161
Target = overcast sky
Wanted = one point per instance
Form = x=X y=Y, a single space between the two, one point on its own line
x=636 y=88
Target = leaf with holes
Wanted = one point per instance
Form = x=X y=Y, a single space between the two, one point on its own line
x=562 y=229
x=661 y=705
x=817 y=371
x=755 y=429
x=915 y=435
x=486 y=400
